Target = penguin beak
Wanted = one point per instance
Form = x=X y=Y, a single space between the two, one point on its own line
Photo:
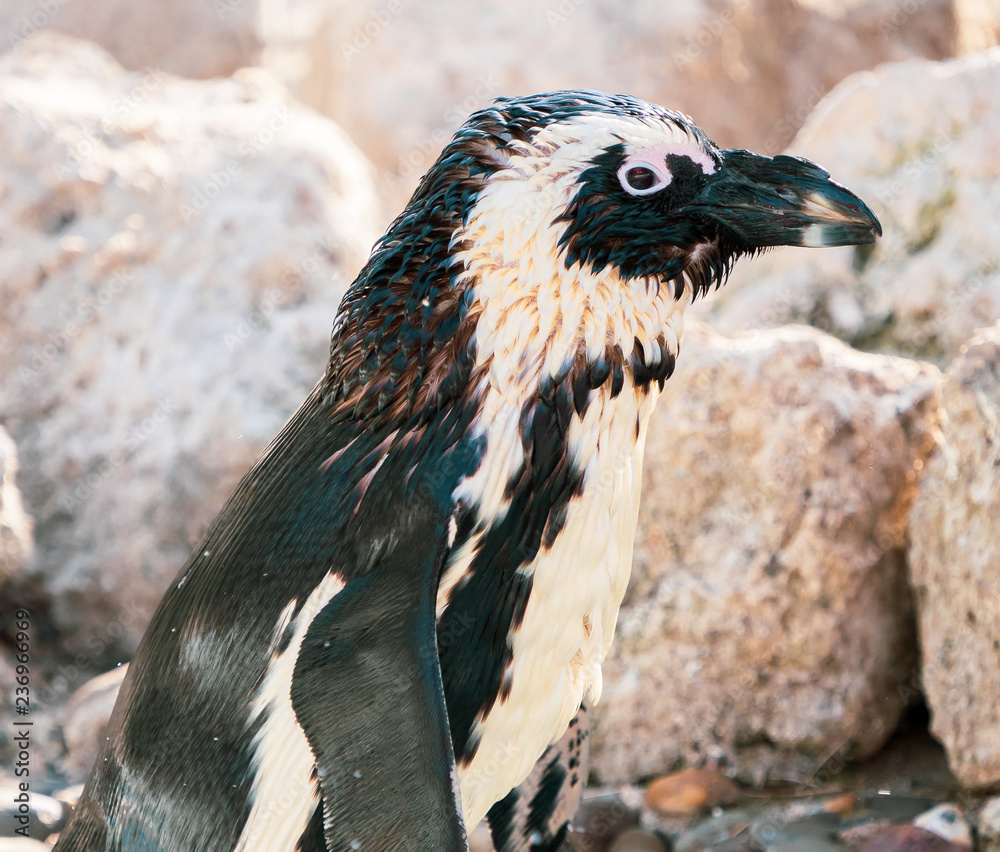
x=784 y=201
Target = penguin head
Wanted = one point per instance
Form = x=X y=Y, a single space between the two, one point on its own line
x=637 y=189
x=561 y=234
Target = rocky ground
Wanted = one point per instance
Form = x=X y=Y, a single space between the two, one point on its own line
x=903 y=800
x=816 y=561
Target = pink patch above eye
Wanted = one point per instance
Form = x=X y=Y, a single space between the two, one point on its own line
x=659 y=154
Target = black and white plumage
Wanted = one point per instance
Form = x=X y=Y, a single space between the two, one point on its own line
x=409 y=596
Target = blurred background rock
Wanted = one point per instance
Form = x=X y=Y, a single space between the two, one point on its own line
x=187 y=188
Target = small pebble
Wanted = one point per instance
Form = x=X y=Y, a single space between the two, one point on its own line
x=842 y=804
x=637 y=840
x=600 y=818
x=690 y=791
x=908 y=838
x=855 y=835
x=946 y=821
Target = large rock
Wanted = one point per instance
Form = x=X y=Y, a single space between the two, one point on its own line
x=170 y=268
x=768 y=624
x=401 y=76
x=917 y=140
x=15 y=524
x=193 y=38
x=955 y=565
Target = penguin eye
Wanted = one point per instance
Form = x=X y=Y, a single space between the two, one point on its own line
x=642 y=178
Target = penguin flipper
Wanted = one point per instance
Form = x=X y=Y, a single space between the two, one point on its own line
x=367 y=692
x=535 y=816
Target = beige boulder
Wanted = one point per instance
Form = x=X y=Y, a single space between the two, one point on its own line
x=955 y=566
x=918 y=141
x=401 y=76
x=193 y=38
x=170 y=269
x=768 y=626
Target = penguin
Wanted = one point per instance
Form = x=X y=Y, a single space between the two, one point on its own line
x=390 y=628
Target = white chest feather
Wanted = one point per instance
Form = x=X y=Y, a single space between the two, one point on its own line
x=577 y=587
x=537 y=317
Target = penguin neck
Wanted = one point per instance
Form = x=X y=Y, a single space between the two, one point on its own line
x=577 y=349
x=538 y=320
